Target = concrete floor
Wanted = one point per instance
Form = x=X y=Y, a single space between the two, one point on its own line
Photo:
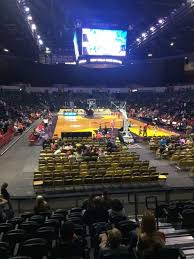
x=17 y=166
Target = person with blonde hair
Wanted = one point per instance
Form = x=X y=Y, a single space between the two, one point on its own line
x=111 y=245
x=41 y=205
x=150 y=239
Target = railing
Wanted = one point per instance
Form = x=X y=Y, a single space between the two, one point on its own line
x=134 y=198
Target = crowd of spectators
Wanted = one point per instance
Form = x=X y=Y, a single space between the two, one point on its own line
x=169 y=145
x=102 y=215
x=17 y=111
x=173 y=109
x=78 y=152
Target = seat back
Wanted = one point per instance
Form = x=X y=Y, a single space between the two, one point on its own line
x=167 y=253
x=14 y=236
x=36 y=248
x=47 y=233
x=4 y=250
x=188 y=215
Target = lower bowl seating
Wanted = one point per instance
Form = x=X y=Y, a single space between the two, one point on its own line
x=120 y=167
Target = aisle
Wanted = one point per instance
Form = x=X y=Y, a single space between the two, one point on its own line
x=17 y=166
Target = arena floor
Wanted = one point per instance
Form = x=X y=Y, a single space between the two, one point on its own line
x=18 y=164
x=104 y=118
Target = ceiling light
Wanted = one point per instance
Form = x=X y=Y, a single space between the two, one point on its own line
x=152 y=29
x=138 y=40
x=33 y=26
x=161 y=21
x=27 y=9
x=48 y=50
x=38 y=36
x=144 y=34
x=40 y=42
x=29 y=17
x=6 y=50
x=150 y=55
x=172 y=44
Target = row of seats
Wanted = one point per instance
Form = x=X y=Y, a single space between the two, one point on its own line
x=37 y=235
x=179 y=212
x=182 y=155
x=33 y=236
x=117 y=167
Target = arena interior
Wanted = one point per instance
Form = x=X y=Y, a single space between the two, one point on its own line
x=96 y=129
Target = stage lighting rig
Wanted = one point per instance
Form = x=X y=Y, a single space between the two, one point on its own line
x=25 y=11
x=162 y=24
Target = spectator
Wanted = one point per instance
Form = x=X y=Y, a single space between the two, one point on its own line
x=70 y=245
x=107 y=201
x=41 y=205
x=88 y=203
x=150 y=239
x=96 y=213
x=117 y=209
x=110 y=244
x=5 y=194
x=46 y=121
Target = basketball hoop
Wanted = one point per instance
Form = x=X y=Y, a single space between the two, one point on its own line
x=91 y=103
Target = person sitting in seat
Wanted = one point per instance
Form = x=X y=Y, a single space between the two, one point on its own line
x=70 y=244
x=41 y=205
x=96 y=213
x=78 y=155
x=72 y=157
x=110 y=245
x=58 y=151
x=107 y=201
x=150 y=239
x=117 y=209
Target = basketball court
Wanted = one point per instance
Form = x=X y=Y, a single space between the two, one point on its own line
x=76 y=121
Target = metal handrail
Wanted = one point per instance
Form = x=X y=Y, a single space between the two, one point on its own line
x=134 y=192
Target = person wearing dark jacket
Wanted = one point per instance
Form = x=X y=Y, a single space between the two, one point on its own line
x=5 y=194
x=96 y=213
x=70 y=244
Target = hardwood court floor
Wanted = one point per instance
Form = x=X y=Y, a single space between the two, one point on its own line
x=151 y=132
x=82 y=124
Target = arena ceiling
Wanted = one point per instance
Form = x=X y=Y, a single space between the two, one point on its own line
x=56 y=20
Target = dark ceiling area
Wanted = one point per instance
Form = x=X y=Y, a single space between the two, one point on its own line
x=14 y=32
x=148 y=73
x=57 y=20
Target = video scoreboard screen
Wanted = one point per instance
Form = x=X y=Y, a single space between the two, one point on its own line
x=104 y=42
